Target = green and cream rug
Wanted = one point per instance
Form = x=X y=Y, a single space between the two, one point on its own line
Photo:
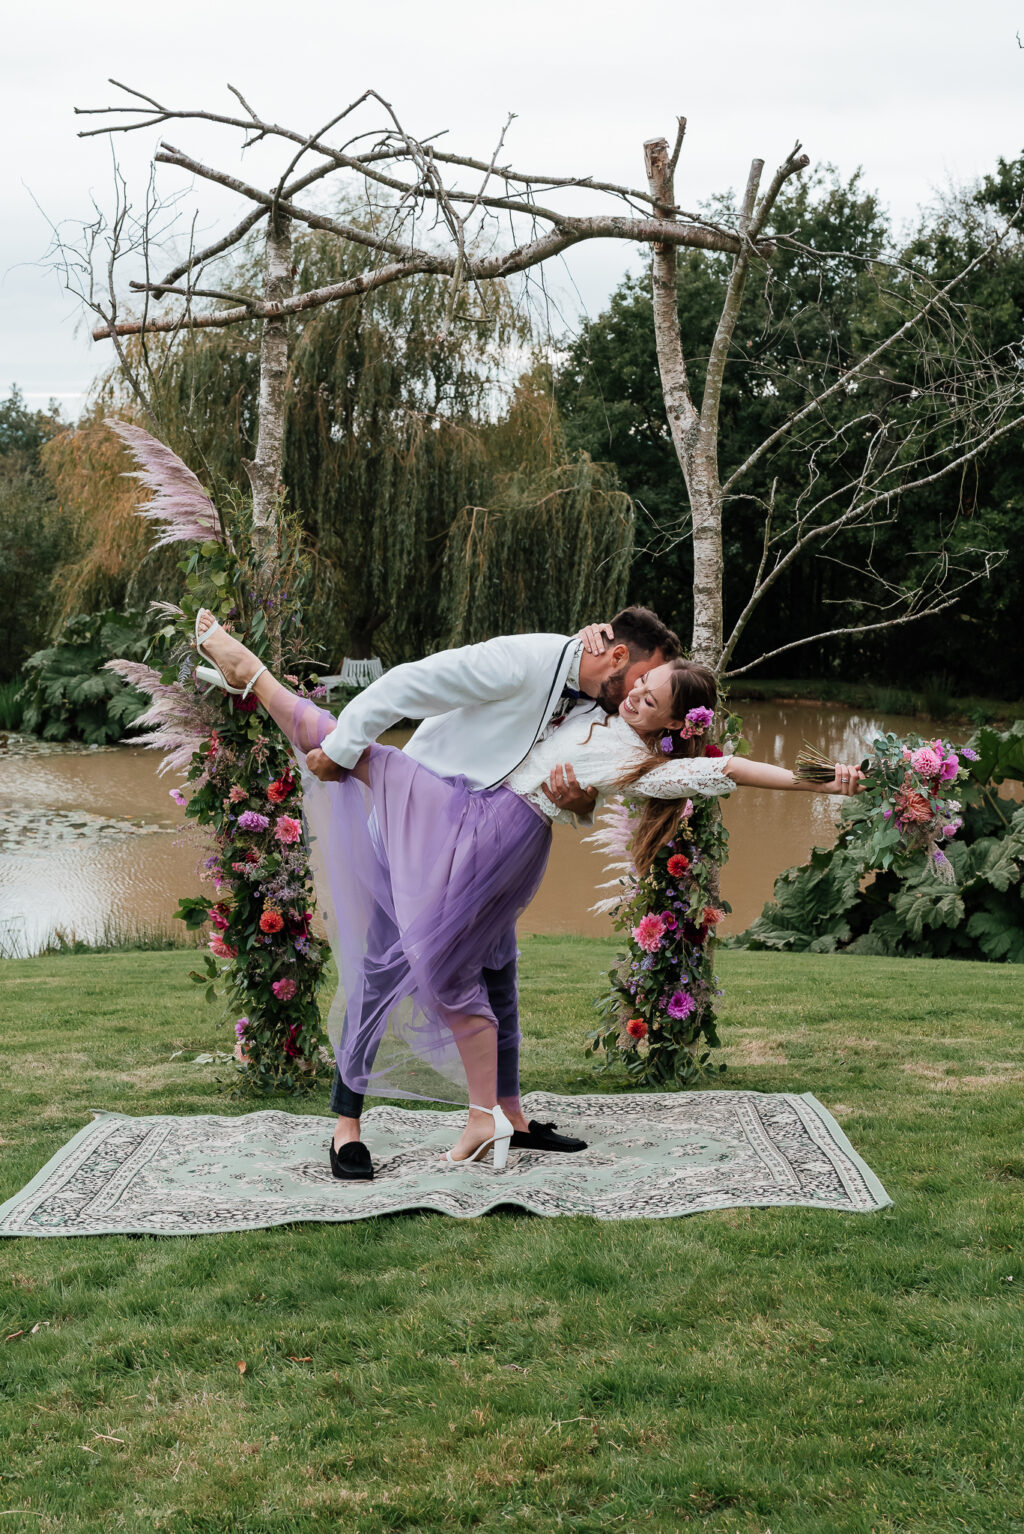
x=650 y=1156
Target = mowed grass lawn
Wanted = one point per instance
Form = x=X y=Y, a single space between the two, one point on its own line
x=775 y=1370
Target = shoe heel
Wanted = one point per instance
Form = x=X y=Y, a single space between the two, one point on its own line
x=501 y=1151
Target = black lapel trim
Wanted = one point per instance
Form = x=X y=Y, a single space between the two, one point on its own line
x=543 y=718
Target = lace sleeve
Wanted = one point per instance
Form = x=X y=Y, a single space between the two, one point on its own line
x=682 y=778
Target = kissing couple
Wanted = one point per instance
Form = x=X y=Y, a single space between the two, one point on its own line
x=424 y=858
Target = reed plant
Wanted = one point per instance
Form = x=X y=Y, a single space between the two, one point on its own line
x=117 y=934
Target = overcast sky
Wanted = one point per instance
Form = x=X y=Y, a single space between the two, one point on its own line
x=917 y=92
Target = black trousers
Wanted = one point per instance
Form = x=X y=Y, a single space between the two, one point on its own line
x=503 y=995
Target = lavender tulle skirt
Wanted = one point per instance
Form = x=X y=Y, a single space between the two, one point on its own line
x=420 y=882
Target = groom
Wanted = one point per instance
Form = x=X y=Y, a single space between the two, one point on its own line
x=483 y=707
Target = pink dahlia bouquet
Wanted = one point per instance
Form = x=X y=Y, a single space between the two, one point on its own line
x=910 y=805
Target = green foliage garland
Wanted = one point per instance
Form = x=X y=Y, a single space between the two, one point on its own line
x=264 y=959
x=658 y=1015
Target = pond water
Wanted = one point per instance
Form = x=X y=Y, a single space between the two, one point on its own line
x=90 y=840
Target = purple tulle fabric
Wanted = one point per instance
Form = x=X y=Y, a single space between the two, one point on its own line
x=420 y=882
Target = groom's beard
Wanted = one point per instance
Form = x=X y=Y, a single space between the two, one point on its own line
x=613 y=691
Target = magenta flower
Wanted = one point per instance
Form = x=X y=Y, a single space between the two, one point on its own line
x=949 y=769
x=680 y=1004
x=252 y=820
x=241 y=1026
x=702 y=718
x=649 y=933
x=177 y=795
x=284 y=990
x=287 y=830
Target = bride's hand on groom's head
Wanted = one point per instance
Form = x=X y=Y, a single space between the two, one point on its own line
x=596 y=637
x=563 y=789
x=322 y=767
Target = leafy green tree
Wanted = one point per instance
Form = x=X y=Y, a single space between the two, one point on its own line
x=32 y=531
x=837 y=289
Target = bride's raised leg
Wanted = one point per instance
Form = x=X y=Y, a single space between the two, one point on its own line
x=305 y=725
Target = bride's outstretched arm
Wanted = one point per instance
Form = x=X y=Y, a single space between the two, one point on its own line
x=848 y=779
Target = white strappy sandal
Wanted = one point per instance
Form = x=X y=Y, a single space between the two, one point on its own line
x=500 y=1139
x=211 y=674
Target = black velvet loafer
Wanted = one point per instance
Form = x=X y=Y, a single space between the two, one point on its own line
x=352 y=1161
x=544 y=1137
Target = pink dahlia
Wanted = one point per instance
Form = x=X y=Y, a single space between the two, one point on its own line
x=288 y=830
x=284 y=990
x=926 y=761
x=649 y=933
x=221 y=949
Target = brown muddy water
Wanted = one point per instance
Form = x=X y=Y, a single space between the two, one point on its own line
x=91 y=840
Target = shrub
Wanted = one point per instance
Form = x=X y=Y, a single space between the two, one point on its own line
x=837 y=902
x=69 y=696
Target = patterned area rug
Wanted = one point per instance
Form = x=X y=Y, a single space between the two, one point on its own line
x=649 y=1157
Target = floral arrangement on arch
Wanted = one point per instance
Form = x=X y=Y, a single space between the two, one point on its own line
x=263 y=959
x=657 y=1017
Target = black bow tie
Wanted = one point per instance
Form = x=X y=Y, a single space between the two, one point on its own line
x=572 y=693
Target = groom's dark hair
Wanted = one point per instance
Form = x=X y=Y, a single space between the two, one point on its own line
x=644 y=633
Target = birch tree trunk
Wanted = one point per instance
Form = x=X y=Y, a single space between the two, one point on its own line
x=264 y=470
x=694 y=443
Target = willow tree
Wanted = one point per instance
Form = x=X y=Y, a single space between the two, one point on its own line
x=384 y=443
x=552 y=543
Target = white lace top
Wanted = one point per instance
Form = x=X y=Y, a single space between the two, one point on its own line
x=600 y=749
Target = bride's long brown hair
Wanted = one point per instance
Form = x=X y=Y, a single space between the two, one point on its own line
x=693 y=686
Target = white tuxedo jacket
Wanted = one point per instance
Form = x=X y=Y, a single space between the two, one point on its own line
x=483 y=706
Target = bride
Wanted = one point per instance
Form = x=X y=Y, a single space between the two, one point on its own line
x=452 y=867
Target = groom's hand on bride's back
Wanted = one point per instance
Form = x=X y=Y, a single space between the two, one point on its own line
x=563 y=789
x=322 y=767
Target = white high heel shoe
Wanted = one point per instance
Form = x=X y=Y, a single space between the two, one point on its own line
x=212 y=675
x=500 y=1139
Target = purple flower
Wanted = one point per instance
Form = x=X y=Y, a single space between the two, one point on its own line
x=251 y=820
x=966 y=752
x=702 y=718
x=680 y=1005
x=177 y=795
x=939 y=856
x=241 y=1026
x=666 y=744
